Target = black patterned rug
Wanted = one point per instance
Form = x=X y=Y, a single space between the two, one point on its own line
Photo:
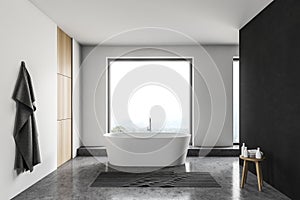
x=156 y=179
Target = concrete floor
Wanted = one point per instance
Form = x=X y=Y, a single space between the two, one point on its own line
x=72 y=180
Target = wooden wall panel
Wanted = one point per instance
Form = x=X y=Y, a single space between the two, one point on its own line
x=60 y=99
x=64 y=97
x=68 y=97
x=59 y=143
x=64 y=141
x=64 y=46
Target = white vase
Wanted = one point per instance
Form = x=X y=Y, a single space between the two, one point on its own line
x=258 y=153
x=245 y=153
x=242 y=149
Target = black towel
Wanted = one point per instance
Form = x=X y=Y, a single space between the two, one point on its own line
x=25 y=130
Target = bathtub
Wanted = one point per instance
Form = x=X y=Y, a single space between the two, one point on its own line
x=147 y=149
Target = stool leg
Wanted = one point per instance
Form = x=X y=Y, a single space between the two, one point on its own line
x=244 y=174
x=261 y=176
x=258 y=175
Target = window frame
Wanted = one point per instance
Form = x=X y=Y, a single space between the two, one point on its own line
x=108 y=79
x=235 y=99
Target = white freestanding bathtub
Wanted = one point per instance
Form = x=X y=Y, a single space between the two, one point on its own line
x=147 y=149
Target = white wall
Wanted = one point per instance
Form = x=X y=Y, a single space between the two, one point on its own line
x=27 y=34
x=222 y=56
x=208 y=89
x=76 y=97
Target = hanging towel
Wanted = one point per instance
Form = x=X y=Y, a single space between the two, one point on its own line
x=25 y=130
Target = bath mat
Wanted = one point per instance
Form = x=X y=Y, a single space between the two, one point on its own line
x=155 y=179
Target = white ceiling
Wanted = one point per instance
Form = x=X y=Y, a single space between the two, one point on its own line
x=137 y=22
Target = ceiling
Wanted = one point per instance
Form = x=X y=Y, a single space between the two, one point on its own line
x=152 y=22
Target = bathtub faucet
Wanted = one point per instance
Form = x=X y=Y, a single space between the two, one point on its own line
x=149 y=127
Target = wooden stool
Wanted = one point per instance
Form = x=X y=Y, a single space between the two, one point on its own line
x=258 y=171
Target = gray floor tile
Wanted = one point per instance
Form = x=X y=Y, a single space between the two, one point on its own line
x=73 y=179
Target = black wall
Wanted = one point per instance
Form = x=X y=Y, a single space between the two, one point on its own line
x=270 y=92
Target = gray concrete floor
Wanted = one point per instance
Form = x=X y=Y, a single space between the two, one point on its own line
x=72 y=181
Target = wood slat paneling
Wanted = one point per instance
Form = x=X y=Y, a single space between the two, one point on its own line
x=64 y=50
x=59 y=143
x=64 y=97
x=64 y=141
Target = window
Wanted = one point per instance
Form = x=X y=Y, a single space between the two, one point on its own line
x=236 y=100
x=144 y=92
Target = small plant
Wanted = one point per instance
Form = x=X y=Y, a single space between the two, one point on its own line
x=118 y=129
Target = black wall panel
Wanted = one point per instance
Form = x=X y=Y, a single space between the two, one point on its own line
x=270 y=92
